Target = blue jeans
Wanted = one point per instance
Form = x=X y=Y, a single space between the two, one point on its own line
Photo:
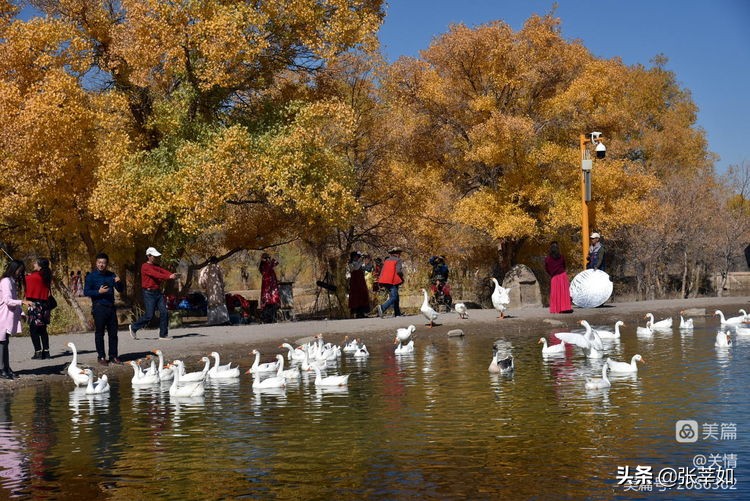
x=392 y=300
x=153 y=300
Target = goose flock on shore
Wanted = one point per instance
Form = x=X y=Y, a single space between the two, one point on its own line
x=318 y=358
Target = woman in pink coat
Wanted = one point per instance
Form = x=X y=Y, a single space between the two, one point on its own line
x=10 y=311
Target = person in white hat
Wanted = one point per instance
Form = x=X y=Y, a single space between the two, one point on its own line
x=152 y=277
x=596 y=253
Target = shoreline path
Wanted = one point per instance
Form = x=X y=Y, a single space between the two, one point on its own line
x=234 y=342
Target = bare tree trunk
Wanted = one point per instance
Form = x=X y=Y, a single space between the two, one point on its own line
x=683 y=291
x=83 y=323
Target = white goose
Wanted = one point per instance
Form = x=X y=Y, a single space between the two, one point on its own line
x=731 y=320
x=665 y=324
x=102 y=385
x=403 y=334
x=198 y=375
x=350 y=347
x=644 y=331
x=259 y=367
x=181 y=388
x=590 y=341
x=165 y=373
x=223 y=371
x=405 y=349
x=277 y=381
x=461 y=310
x=742 y=331
x=330 y=380
x=362 y=352
x=503 y=366
x=141 y=378
x=723 y=340
x=74 y=371
x=294 y=355
x=500 y=298
x=685 y=325
x=292 y=373
x=308 y=365
x=552 y=350
x=596 y=383
x=607 y=334
x=624 y=367
x=429 y=313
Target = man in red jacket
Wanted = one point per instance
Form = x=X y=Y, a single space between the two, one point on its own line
x=152 y=277
x=391 y=277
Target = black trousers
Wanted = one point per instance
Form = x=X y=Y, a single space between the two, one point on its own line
x=39 y=337
x=105 y=317
x=5 y=355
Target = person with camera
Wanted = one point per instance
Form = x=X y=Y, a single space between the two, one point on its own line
x=152 y=276
x=11 y=283
x=100 y=285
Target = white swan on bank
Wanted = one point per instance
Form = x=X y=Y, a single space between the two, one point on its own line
x=607 y=334
x=461 y=310
x=624 y=367
x=223 y=371
x=74 y=371
x=181 y=388
x=330 y=380
x=552 y=350
x=429 y=313
x=590 y=341
x=665 y=324
x=500 y=298
x=596 y=383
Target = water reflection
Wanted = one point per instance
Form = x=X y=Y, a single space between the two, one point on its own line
x=434 y=423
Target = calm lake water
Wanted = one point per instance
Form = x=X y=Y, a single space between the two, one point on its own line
x=434 y=424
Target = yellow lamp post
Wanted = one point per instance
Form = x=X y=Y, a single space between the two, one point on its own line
x=595 y=139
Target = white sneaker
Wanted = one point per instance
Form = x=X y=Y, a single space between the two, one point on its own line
x=132 y=332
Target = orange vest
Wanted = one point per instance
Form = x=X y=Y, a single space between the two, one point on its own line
x=388 y=274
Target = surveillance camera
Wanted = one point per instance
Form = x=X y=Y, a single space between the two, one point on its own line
x=595 y=136
x=601 y=150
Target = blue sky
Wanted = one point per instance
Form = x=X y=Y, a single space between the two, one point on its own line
x=706 y=42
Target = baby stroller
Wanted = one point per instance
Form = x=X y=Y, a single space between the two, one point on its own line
x=441 y=299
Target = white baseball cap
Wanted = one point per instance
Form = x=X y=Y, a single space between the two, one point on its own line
x=593 y=235
x=152 y=252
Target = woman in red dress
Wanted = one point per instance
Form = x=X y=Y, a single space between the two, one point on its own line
x=559 y=291
x=269 y=288
x=359 y=298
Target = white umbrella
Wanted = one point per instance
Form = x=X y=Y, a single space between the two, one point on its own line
x=590 y=288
